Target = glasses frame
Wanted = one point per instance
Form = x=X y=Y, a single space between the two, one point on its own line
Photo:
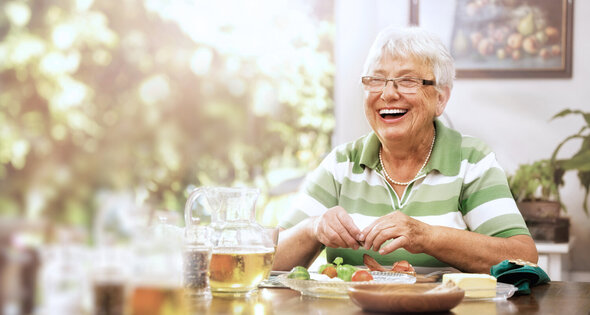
x=394 y=80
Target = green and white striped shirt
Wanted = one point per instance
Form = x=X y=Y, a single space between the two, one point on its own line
x=462 y=187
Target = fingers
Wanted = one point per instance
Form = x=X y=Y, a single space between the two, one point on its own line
x=389 y=227
x=367 y=237
x=378 y=229
x=348 y=230
x=380 y=235
x=396 y=243
x=335 y=228
x=363 y=235
x=328 y=236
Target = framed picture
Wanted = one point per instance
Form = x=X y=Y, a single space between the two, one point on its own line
x=502 y=38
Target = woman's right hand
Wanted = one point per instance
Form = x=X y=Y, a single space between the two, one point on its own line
x=335 y=229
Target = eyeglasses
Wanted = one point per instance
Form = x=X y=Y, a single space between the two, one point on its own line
x=405 y=85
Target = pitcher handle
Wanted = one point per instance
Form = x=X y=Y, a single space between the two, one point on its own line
x=189 y=220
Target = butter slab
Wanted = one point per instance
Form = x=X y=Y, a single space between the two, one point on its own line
x=475 y=285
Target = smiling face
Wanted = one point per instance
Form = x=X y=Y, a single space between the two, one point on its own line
x=402 y=117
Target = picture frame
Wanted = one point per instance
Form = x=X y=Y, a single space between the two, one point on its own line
x=502 y=38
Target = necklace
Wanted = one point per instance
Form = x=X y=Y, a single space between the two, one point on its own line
x=419 y=171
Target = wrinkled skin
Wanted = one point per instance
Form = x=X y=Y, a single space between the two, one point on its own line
x=406 y=232
x=335 y=228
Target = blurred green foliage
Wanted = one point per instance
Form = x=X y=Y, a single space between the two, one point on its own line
x=150 y=97
x=534 y=181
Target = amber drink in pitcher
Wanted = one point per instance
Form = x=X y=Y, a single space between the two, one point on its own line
x=243 y=252
x=236 y=270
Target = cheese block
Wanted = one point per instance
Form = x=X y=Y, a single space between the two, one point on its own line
x=476 y=285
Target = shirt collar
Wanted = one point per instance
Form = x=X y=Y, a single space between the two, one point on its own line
x=445 y=157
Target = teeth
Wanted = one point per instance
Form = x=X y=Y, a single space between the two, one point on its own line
x=392 y=111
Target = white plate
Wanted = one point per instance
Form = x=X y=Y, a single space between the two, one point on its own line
x=338 y=289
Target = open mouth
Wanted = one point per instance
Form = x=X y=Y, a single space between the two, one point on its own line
x=392 y=113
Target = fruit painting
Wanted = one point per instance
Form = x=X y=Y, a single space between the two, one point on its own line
x=512 y=38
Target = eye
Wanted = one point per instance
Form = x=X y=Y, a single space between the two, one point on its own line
x=373 y=81
x=408 y=82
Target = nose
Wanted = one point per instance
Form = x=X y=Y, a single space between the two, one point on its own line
x=389 y=93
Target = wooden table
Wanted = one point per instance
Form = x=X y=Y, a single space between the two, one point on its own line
x=562 y=298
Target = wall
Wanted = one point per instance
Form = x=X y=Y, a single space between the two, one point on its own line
x=511 y=115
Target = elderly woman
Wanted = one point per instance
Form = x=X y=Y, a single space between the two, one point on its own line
x=412 y=189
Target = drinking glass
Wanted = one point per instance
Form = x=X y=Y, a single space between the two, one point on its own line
x=109 y=277
x=156 y=286
x=273 y=234
x=196 y=257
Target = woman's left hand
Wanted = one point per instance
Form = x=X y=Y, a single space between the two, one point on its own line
x=404 y=231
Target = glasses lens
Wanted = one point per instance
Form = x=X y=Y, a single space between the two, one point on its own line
x=408 y=85
x=373 y=84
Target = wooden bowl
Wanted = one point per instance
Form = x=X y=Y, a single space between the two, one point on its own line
x=404 y=298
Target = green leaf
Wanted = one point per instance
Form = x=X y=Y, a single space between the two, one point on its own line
x=562 y=113
x=585 y=181
x=580 y=161
x=566 y=112
x=554 y=155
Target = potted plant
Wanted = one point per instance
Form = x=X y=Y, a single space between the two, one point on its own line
x=535 y=186
x=535 y=190
x=579 y=161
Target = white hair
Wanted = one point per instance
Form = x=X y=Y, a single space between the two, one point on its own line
x=413 y=42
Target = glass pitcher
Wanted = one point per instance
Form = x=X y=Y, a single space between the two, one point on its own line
x=156 y=279
x=243 y=251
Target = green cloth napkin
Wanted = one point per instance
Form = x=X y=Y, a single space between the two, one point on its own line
x=521 y=274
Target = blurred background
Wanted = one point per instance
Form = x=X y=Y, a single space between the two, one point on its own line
x=144 y=99
x=111 y=112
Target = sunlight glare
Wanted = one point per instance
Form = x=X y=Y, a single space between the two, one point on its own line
x=238 y=27
x=264 y=98
x=18 y=13
x=25 y=49
x=200 y=62
x=71 y=93
x=63 y=36
x=20 y=149
x=238 y=309
x=35 y=201
x=259 y=309
x=154 y=89
x=79 y=121
x=56 y=63
x=83 y=5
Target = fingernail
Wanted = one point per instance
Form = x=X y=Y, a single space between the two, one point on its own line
x=361 y=237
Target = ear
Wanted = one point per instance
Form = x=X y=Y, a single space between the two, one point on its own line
x=443 y=97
